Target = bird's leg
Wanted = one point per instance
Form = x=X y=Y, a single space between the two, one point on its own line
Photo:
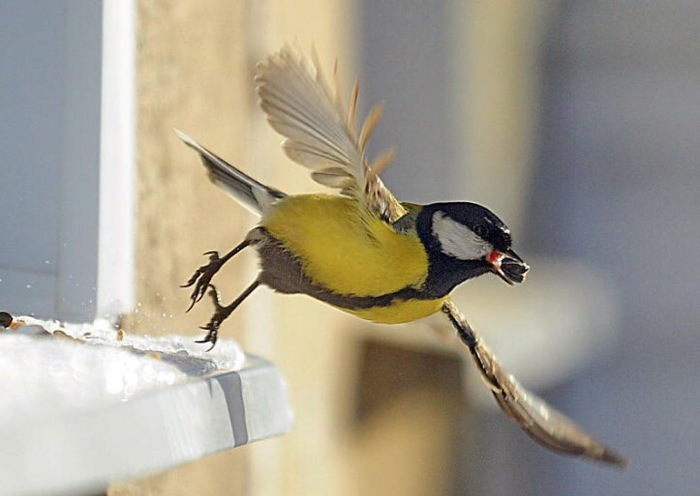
x=202 y=276
x=222 y=312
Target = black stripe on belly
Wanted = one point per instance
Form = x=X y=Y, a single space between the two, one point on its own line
x=282 y=271
x=359 y=302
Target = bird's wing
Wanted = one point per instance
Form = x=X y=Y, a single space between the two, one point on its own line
x=539 y=420
x=320 y=131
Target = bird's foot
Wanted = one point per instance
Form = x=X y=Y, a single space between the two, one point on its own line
x=214 y=323
x=201 y=279
x=222 y=312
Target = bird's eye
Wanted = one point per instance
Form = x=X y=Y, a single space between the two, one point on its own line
x=481 y=231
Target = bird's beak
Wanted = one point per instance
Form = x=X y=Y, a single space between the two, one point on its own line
x=508 y=266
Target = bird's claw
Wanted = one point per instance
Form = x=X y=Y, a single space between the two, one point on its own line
x=201 y=279
x=212 y=329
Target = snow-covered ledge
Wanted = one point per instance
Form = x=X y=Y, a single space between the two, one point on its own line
x=83 y=406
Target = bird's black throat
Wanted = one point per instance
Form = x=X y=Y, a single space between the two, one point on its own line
x=445 y=273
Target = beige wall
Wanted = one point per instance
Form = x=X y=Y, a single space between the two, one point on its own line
x=191 y=61
x=195 y=64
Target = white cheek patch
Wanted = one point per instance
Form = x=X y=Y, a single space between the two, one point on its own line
x=457 y=240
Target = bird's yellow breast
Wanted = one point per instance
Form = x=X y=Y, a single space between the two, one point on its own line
x=345 y=248
x=399 y=312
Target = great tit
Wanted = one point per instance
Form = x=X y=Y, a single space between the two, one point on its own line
x=361 y=250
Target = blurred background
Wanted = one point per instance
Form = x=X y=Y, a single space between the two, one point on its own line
x=575 y=120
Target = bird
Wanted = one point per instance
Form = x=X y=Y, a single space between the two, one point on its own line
x=358 y=248
x=360 y=251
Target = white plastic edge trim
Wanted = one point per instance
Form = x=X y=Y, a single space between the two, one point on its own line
x=117 y=157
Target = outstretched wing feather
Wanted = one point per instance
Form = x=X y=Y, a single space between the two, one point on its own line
x=300 y=107
x=539 y=420
x=320 y=132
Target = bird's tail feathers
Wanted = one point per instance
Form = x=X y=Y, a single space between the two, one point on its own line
x=252 y=194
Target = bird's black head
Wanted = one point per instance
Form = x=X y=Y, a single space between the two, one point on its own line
x=465 y=240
